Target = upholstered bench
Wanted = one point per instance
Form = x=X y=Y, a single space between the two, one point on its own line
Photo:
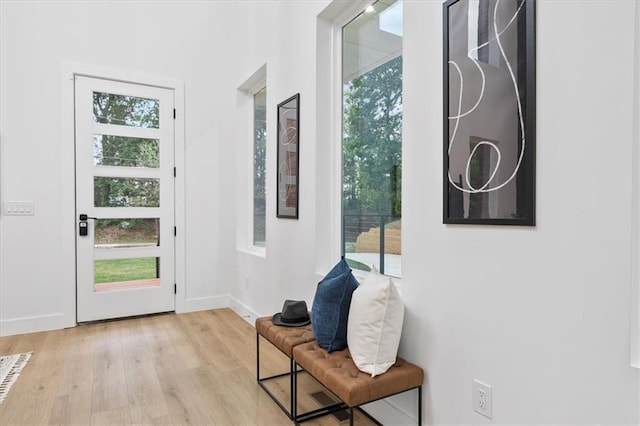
x=285 y=339
x=337 y=372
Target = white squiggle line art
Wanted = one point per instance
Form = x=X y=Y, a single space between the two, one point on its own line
x=475 y=62
x=455 y=128
x=493 y=173
x=285 y=130
x=289 y=134
x=285 y=182
x=459 y=115
x=515 y=88
x=284 y=169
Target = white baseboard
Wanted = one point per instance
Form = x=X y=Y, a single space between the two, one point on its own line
x=25 y=325
x=203 y=304
x=388 y=413
x=10 y=327
x=248 y=314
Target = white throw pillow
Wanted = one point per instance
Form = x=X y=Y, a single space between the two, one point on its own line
x=375 y=324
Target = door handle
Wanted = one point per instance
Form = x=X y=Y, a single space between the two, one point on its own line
x=83 y=226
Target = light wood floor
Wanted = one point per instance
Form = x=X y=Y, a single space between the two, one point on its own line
x=197 y=369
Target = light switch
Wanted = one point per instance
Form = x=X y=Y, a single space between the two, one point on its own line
x=18 y=208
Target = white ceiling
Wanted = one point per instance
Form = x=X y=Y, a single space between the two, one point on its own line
x=366 y=45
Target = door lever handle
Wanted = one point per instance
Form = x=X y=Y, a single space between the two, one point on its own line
x=84 y=217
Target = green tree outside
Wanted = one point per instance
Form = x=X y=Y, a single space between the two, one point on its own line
x=372 y=141
x=125 y=152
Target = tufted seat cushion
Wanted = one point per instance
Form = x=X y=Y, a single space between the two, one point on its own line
x=337 y=372
x=283 y=338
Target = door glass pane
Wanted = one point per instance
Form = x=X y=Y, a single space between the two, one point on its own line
x=126 y=192
x=125 y=151
x=119 y=233
x=125 y=110
x=118 y=274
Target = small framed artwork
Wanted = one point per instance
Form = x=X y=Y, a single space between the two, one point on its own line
x=288 y=157
x=489 y=112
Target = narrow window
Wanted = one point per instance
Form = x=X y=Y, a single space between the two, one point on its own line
x=372 y=138
x=259 y=166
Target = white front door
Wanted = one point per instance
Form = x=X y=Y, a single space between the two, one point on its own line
x=124 y=199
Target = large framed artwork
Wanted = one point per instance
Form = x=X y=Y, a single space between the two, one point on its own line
x=288 y=157
x=489 y=112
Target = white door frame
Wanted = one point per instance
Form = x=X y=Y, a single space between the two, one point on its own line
x=68 y=246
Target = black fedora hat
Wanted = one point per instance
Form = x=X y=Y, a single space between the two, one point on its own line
x=294 y=314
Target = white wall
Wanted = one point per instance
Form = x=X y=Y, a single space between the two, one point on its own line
x=635 y=214
x=282 y=35
x=177 y=40
x=542 y=313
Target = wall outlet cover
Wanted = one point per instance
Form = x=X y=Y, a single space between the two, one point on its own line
x=482 y=399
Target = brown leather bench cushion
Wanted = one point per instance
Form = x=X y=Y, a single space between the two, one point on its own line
x=283 y=338
x=337 y=372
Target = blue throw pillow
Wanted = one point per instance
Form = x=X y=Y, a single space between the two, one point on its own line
x=330 y=309
x=340 y=268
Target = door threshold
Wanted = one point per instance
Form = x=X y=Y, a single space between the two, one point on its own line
x=156 y=314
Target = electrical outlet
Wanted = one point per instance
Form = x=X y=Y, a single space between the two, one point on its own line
x=482 y=398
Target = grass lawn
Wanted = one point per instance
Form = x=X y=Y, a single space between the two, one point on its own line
x=107 y=271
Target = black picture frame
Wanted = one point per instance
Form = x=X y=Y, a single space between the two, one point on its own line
x=489 y=112
x=288 y=181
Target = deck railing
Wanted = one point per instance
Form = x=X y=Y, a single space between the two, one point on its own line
x=367 y=233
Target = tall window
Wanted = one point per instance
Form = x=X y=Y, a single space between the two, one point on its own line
x=259 y=166
x=372 y=138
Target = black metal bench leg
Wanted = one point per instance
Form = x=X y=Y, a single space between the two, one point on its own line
x=258 y=357
x=261 y=381
x=294 y=389
x=420 y=406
